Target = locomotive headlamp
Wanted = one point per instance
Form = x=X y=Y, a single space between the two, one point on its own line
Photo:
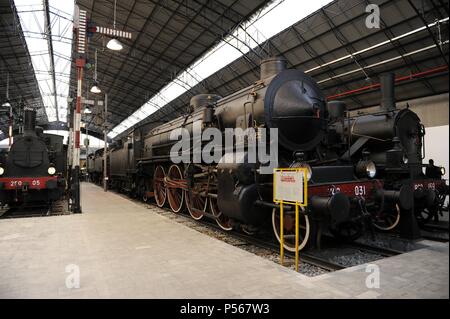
x=371 y=169
x=366 y=168
x=405 y=159
x=442 y=171
x=2 y=170
x=51 y=170
x=308 y=169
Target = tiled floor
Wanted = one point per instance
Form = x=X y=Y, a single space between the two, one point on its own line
x=123 y=250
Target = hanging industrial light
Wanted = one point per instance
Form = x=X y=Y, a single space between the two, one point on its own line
x=6 y=104
x=95 y=88
x=114 y=44
x=87 y=110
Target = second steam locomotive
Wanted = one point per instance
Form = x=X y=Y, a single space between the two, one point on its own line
x=33 y=170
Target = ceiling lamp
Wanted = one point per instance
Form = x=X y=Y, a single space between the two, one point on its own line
x=87 y=110
x=114 y=45
x=6 y=104
x=95 y=89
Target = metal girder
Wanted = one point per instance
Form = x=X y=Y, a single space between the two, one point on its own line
x=48 y=30
x=151 y=69
x=14 y=57
x=312 y=53
x=429 y=31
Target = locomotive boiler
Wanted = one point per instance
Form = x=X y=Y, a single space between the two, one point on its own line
x=234 y=192
x=33 y=170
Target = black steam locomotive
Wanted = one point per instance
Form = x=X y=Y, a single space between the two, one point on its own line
x=362 y=170
x=234 y=193
x=33 y=170
x=393 y=140
x=95 y=166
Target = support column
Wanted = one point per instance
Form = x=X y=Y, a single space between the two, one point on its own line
x=105 y=156
x=80 y=33
x=10 y=129
x=76 y=207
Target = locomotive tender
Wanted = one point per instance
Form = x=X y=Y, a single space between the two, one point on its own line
x=33 y=170
x=95 y=166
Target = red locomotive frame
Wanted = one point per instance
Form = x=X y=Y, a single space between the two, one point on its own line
x=38 y=182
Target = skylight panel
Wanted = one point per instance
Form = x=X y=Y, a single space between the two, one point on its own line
x=31 y=16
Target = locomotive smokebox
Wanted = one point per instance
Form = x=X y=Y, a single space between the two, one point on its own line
x=272 y=66
x=29 y=123
x=387 y=92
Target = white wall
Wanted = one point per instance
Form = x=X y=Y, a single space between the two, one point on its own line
x=436 y=146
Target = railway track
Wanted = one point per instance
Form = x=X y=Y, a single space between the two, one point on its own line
x=304 y=256
x=383 y=251
x=436 y=231
x=435 y=238
x=437 y=227
x=54 y=209
x=435 y=235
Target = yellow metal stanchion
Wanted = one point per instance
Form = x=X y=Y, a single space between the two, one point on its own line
x=281 y=234
x=296 y=236
x=282 y=194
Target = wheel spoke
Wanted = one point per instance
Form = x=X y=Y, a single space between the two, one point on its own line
x=159 y=187
x=304 y=230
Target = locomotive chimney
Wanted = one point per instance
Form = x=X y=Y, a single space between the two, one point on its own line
x=387 y=92
x=272 y=66
x=336 y=109
x=29 y=123
x=201 y=100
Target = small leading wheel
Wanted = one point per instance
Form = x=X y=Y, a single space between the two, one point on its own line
x=175 y=192
x=387 y=220
x=159 y=186
x=223 y=221
x=289 y=229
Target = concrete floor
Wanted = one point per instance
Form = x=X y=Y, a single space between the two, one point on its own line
x=124 y=250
